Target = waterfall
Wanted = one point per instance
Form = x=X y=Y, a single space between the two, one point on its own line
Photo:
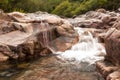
x=86 y=50
x=47 y=33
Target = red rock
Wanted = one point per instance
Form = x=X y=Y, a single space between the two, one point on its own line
x=100 y=19
x=29 y=35
x=105 y=68
x=66 y=30
x=117 y=25
x=68 y=37
x=3 y=57
x=112 y=45
x=114 y=76
x=62 y=43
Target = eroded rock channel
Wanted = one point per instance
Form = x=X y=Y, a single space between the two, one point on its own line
x=42 y=46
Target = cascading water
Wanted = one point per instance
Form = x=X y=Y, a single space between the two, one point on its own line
x=46 y=34
x=76 y=64
x=87 y=50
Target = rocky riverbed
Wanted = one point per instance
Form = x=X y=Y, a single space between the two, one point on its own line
x=42 y=46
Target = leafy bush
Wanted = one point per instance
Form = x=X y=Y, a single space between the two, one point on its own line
x=66 y=8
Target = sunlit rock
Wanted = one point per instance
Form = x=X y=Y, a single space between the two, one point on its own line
x=3 y=57
x=33 y=34
x=100 y=19
x=105 y=68
x=109 y=68
x=112 y=45
x=117 y=25
x=114 y=76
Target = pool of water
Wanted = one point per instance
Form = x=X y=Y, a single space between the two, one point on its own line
x=78 y=63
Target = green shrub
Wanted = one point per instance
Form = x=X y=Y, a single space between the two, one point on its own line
x=66 y=8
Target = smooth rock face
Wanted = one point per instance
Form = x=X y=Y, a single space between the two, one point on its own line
x=112 y=45
x=109 y=68
x=27 y=35
x=67 y=38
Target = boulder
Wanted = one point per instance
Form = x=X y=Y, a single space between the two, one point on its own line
x=3 y=57
x=34 y=34
x=62 y=43
x=114 y=76
x=105 y=68
x=100 y=19
x=112 y=45
x=68 y=37
x=101 y=10
x=4 y=16
x=109 y=68
x=116 y=25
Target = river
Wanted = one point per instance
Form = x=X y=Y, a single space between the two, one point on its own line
x=77 y=63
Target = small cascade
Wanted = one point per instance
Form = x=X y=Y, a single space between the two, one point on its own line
x=47 y=33
x=86 y=50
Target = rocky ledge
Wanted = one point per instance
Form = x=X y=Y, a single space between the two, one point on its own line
x=29 y=35
x=110 y=67
x=106 y=26
x=99 y=19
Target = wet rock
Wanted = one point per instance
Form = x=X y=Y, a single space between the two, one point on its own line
x=35 y=17
x=109 y=68
x=117 y=25
x=65 y=30
x=62 y=43
x=51 y=68
x=114 y=76
x=19 y=17
x=68 y=37
x=6 y=27
x=31 y=34
x=8 y=73
x=112 y=45
x=53 y=20
x=105 y=68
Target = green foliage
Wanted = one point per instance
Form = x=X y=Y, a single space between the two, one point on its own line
x=19 y=10
x=89 y=5
x=66 y=8
x=63 y=8
x=3 y=1
x=112 y=4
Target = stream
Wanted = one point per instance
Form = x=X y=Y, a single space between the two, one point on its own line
x=77 y=63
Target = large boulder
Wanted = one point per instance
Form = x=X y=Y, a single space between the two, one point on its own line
x=33 y=34
x=68 y=37
x=112 y=45
x=105 y=68
x=109 y=68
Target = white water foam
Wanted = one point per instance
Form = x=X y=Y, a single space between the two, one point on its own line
x=86 y=50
